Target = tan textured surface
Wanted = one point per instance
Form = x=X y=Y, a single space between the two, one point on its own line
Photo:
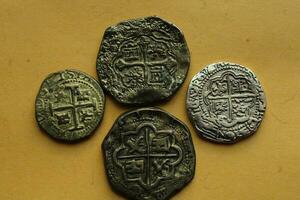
x=39 y=37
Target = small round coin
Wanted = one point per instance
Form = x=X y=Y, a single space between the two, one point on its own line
x=225 y=102
x=142 y=61
x=149 y=155
x=69 y=105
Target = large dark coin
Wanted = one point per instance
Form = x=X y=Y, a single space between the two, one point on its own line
x=69 y=105
x=225 y=102
x=141 y=61
x=149 y=155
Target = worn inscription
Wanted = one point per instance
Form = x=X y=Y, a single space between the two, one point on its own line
x=69 y=105
x=148 y=154
x=142 y=60
x=225 y=102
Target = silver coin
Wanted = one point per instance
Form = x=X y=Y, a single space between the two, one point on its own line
x=69 y=105
x=142 y=61
x=225 y=102
x=149 y=155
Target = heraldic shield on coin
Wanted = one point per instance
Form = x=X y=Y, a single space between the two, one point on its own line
x=225 y=102
x=142 y=61
x=149 y=155
x=69 y=105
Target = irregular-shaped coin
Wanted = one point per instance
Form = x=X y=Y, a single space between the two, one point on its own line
x=149 y=154
x=141 y=61
x=69 y=105
x=225 y=102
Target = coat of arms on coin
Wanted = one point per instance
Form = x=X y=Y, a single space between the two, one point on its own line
x=69 y=105
x=141 y=61
x=225 y=102
x=149 y=154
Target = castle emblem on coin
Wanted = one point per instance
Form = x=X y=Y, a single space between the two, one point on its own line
x=69 y=105
x=142 y=60
x=225 y=102
x=148 y=154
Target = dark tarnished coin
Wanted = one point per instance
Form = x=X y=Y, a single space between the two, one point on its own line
x=69 y=105
x=225 y=102
x=141 y=61
x=149 y=155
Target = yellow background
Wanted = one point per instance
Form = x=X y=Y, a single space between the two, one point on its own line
x=40 y=37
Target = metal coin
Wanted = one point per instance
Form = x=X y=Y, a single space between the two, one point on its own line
x=149 y=155
x=225 y=102
x=69 y=105
x=142 y=61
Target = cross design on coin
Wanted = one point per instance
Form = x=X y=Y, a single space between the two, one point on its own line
x=77 y=101
x=147 y=155
x=224 y=91
x=145 y=59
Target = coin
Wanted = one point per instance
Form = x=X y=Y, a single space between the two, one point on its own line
x=141 y=61
x=69 y=105
x=149 y=154
x=225 y=102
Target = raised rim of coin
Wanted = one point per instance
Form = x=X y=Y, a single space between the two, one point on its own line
x=48 y=127
x=136 y=96
x=212 y=129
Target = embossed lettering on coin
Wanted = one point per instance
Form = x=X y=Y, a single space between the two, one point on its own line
x=149 y=154
x=225 y=102
x=142 y=60
x=69 y=105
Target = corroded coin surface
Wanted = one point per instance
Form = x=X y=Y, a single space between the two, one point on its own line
x=141 y=61
x=225 y=102
x=69 y=105
x=149 y=155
